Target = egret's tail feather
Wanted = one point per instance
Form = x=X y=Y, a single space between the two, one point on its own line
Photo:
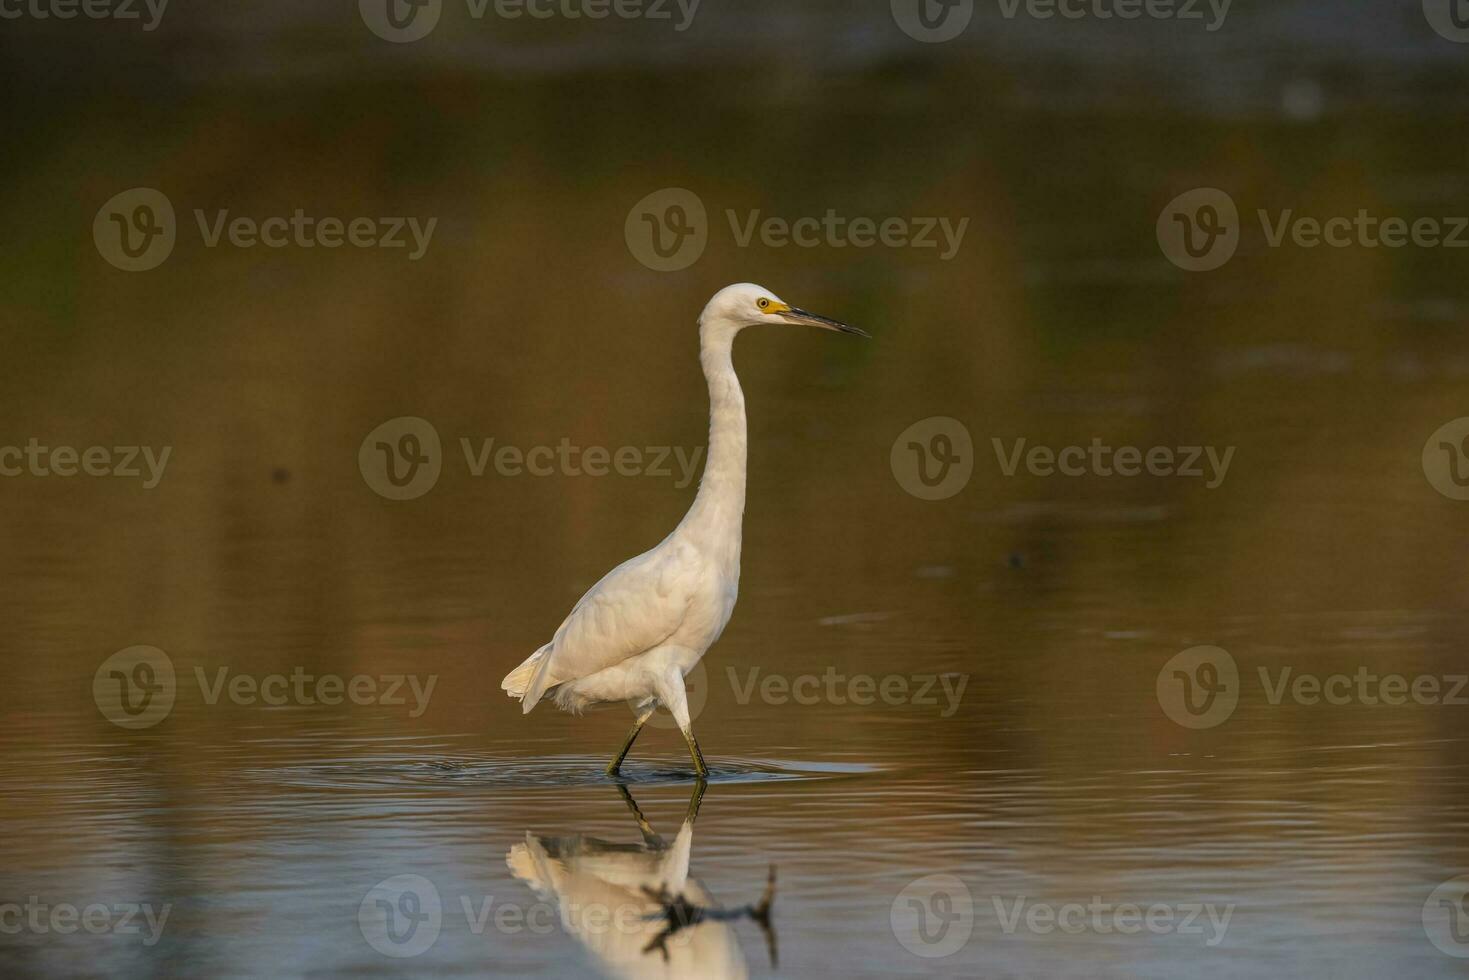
x=518 y=681
x=539 y=681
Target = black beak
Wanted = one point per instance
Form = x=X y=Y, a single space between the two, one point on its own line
x=824 y=322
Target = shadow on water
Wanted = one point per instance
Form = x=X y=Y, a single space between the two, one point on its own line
x=633 y=905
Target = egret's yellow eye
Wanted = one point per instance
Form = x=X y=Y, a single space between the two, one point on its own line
x=764 y=304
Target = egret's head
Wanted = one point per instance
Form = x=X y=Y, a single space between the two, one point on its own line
x=747 y=305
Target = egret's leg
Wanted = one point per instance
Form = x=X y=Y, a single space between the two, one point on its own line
x=671 y=692
x=692 y=813
x=616 y=764
x=700 y=769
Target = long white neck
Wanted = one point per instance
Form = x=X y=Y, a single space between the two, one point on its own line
x=714 y=521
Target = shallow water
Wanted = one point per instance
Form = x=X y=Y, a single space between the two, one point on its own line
x=966 y=688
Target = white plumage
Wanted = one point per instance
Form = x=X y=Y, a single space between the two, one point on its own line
x=636 y=633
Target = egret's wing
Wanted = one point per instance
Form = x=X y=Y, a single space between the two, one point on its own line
x=635 y=607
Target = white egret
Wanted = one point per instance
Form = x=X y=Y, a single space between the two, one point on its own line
x=645 y=625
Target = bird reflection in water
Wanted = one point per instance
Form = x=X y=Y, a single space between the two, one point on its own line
x=634 y=906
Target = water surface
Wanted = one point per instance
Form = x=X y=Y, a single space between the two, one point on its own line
x=1052 y=777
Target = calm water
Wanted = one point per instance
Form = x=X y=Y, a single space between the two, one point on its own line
x=984 y=670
